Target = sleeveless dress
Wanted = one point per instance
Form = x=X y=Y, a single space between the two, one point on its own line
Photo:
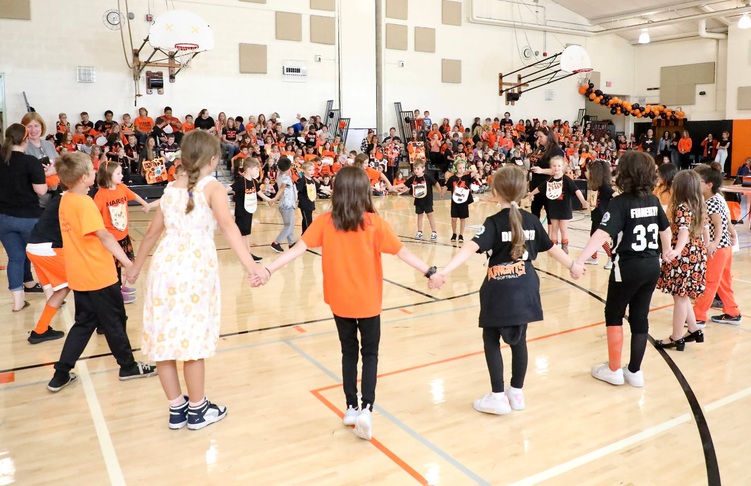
x=181 y=312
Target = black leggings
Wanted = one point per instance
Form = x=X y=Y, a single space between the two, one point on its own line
x=516 y=337
x=307 y=218
x=370 y=335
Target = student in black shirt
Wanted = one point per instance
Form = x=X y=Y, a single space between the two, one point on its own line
x=510 y=293
x=636 y=222
x=307 y=189
x=422 y=190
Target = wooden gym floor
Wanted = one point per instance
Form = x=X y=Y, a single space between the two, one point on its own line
x=278 y=372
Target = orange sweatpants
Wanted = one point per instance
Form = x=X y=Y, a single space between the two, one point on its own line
x=719 y=280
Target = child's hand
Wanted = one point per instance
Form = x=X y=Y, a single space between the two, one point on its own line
x=146 y=208
x=585 y=205
x=711 y=248
x=577 y=271
x=670 y=255
x=436 y=281
x=131 y=275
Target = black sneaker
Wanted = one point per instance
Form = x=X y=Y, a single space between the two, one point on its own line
x=178 y=416
x=48 y=335
x=277 y=247
x=717 y=304
x=205 y=414
x=36 y=289
x=256 y=258
x=726 y=319
x=461 y=238
x=453 y=237
x=60 y=380
x=292 y=244
x=140 y=370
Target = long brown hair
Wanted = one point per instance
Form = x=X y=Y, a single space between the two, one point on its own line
x=687 y=190
x=598 y=174
x=636 y=173
x=14 y=135
x=510 y=183
x=197 y=149
x=351 y=199
x=104 y=174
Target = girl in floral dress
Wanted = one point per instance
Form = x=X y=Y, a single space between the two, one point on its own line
x=181 y=311
x=683 y=270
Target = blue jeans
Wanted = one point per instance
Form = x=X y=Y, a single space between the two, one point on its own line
x=14 y=233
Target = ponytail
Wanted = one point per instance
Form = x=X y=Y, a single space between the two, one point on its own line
x=192 y=181
x=14 y=135
x=517 y=231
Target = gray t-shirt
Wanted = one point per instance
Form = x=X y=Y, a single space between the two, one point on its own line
x=289 y=198
x=46 y=149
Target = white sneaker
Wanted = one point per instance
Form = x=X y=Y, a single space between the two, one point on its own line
x=604 y=373
x=491 y=404
x=364 y=424
x=515 y=398
x=609 y=264
x=633 y=379
x=433 y=236
x=419 y=235
x=591 y=261
x=350 y=416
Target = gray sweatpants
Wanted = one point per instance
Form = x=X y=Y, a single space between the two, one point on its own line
x=288 y=232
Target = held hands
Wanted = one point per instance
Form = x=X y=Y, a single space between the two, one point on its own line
x=258 y=275
x=577 y=270
x=670 y=255
x=585 y=205
x=436 y=280
x=146 y=208
x=131 y=274
x=711 y=248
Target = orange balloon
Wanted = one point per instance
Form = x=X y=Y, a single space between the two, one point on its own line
x=681 y=114
x=583 y=89
x=648 y=108
x=592 y=96
x=638 y=114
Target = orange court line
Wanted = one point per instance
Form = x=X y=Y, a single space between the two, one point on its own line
x=376 y=443
x=406 y=311
x=7 y=377
x=455 y=358
x=300 y=329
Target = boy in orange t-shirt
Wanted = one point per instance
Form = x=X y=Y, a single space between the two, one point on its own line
x=188 y=125
x=352 y=245
x=89 y=248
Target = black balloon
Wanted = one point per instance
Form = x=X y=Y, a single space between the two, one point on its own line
x=613 y=111
x=598 y=92
x=591 y=85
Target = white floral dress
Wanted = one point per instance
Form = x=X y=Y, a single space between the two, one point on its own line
x=181 y=313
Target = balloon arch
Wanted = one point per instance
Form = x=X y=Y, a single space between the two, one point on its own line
x=621 y=107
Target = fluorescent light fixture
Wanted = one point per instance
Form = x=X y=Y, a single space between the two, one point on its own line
x=644 y=36
x=744 y=22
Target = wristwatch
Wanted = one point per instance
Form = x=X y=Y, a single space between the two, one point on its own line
x=431 y=271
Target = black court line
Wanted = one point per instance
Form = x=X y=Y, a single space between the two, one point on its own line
x=710 y=455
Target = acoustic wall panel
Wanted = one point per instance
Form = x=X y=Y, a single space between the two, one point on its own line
x=322 y=30
x=678 y=83
x=397 y=9
x=253 y=58
x=744 y=97
x=15 y=9
x=396 y=37
x=288 y=26
x=451 y=13
x=451 y=71
x=424 y=39
x=329 y=5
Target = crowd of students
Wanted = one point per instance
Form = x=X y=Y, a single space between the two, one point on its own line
x=661 y=214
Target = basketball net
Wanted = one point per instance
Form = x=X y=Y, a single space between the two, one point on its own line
x=583 y=76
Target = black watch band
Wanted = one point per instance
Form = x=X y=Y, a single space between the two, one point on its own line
x=431 y=271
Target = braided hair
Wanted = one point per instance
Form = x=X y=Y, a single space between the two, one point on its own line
x=197 y=149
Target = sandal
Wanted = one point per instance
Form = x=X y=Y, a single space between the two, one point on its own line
x=35 y=289
x=25 y=305
x=678 y=344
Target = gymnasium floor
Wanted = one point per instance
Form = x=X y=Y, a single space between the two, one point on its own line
x=278 y=372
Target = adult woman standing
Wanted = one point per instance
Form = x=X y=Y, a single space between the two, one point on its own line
x=22 y=181
x=541 y=170
x=37 y=146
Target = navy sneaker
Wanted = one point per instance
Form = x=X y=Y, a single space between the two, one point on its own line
x=205 y=414
x=178 y=416
x=140 y=370
x=726 y=319
x=60 y=380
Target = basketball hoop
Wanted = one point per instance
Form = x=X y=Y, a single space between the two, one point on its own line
x=583 y=75
x=186 y=46
x=574 y=59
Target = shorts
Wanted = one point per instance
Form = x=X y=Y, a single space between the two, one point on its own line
x=49 y=264
x=127 y=247
x=460 y=211
x=244 y=222
x=423 y=207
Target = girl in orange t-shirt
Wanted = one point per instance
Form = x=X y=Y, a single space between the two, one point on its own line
x=352 y=237
x=112 y=201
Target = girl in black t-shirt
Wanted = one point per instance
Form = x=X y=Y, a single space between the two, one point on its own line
x=559 y=191
x=510 y=294
x=599 y=179
x=638 y=224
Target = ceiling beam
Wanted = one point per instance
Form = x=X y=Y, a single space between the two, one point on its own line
x=723 y=20
x=606 y=19
x=656 y=23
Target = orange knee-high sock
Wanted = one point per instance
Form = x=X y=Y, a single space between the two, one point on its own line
x=44 y=322
x=615 y=346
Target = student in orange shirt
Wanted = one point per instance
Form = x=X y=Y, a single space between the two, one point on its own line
x=188 y=125
x=352 y=237
x=361 y=161
x=143 y=125
x=112 y=201
x=89 y=249
x=78 y=137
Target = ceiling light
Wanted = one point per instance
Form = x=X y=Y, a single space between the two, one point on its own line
x=744 y=22
x=644 y=36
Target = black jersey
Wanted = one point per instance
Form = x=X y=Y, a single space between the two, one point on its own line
x=422 y=189
x=510 y=295
x=307 y=189
x=634 y=223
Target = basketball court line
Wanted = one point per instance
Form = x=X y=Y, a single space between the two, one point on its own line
x=95 y=409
